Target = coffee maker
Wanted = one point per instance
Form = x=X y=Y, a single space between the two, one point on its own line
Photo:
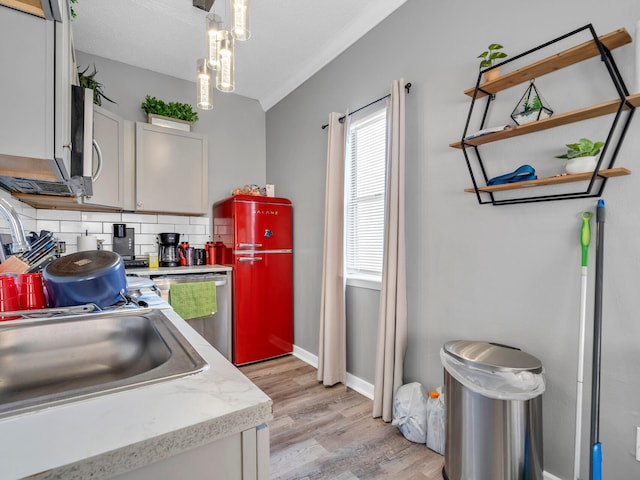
x=168 y=249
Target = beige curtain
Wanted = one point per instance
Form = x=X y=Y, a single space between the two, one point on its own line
x=392 y=320
x=332 y=350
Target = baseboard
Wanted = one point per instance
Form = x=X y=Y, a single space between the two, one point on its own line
x=305 y=356
x=355 y=383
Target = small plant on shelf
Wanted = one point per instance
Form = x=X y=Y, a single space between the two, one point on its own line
x=584 y=148
x=88 y=80
x=581 y=156
x=531 y=107
x=180 y=111
x=490 y=55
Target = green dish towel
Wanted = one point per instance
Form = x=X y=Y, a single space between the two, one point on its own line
x=193 y=300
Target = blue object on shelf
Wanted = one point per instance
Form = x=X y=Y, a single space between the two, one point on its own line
x=521 y=174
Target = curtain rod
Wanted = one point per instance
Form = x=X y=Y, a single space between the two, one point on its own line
x=407 y=87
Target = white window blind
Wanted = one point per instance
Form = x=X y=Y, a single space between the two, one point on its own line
x=366 y=194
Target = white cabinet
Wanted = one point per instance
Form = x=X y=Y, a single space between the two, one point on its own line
x=243 y=456
x=171 y=171
x=113 y=187
x=35 y=93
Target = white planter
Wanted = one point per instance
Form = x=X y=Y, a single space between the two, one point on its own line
x=581 y=164
x=163 y=121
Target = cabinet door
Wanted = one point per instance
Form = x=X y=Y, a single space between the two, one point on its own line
x=171 y=170
x=35 y=94
x=26 y=85
x=108 y=131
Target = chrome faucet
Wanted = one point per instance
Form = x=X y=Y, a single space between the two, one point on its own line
x=20 y=243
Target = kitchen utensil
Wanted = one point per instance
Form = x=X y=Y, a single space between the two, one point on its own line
x=96 y=276
x=168 y=249
x=13 y=265
x=8 y=295
x=31 y=291
x=119 y=230
x=190 y=255
x=153 y=260
x=87 y=242
x=200 y=256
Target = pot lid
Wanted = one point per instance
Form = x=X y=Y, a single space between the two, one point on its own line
x=83 y=263
x=492 y=356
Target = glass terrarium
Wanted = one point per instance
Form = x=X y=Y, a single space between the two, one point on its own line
x=531 y=107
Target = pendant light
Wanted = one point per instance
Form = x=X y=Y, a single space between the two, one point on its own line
x=204 y=85
x=225 y=73
x=214 y=27
x=239 y=24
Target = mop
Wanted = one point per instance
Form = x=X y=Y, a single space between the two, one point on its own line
x=596 y=450
x=585 y=239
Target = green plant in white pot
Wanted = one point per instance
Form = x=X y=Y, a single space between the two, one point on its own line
x=582 y=156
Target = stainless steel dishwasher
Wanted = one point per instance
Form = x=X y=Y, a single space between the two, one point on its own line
x=216 y=328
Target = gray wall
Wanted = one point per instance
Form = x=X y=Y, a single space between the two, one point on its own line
x=235 y=126
x=509 y=274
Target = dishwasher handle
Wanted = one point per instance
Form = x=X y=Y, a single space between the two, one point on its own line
x=249 y=259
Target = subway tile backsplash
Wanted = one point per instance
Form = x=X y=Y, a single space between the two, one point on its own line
x=67 y=225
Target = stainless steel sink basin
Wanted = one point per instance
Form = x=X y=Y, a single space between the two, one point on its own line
x=56 y=360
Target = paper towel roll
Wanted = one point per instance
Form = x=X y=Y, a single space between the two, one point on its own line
x=87 y=242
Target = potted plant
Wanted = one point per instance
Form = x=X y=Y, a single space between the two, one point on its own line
x=489 y=56
x=531 y=107
x=581 y=156
x=88 y=80
x=171 y=114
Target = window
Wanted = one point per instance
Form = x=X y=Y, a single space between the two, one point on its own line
x=365 y=196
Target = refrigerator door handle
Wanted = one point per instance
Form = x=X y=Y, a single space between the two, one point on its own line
x=249 y=245
x=249 y=259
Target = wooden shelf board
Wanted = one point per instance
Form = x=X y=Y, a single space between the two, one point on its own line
x=33 y=7
x=578 y=177
x=550 y=64
x=586 y=113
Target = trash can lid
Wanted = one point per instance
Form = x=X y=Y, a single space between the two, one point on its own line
x=492 y=356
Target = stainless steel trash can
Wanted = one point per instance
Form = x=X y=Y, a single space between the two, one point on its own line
x=490 y=438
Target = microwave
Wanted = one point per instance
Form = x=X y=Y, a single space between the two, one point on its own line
x=70 y=178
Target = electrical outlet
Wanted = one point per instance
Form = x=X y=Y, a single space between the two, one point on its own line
x=638 y=444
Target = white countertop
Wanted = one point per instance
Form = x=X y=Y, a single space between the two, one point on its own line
x=179 y=270
x=118 y=432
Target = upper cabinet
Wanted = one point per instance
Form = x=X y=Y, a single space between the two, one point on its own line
x=171 y=171
x=113 y=175
x=35 y=123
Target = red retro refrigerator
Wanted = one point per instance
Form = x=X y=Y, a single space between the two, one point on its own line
x=257 y=237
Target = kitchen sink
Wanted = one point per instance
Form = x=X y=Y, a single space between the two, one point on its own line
x=49 y=361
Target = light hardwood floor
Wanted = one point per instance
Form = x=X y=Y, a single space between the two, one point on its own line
x=328 y=433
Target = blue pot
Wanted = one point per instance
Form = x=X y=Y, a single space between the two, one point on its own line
x=92 y=276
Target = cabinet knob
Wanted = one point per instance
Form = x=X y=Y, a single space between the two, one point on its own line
x=139 y=204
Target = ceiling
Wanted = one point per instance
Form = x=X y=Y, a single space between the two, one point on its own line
x=290 y=39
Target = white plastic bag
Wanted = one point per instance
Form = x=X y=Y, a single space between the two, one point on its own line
x=436 y=418
x=498 y=385
x=410 y=412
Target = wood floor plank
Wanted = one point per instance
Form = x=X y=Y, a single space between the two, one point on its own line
x=328 y=433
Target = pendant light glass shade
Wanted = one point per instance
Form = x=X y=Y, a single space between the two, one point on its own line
x=240 y=19
x=214 y=27
x=225 y=73
x=204 y=85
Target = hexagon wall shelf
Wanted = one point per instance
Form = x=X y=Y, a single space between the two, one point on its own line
x=622 y=108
